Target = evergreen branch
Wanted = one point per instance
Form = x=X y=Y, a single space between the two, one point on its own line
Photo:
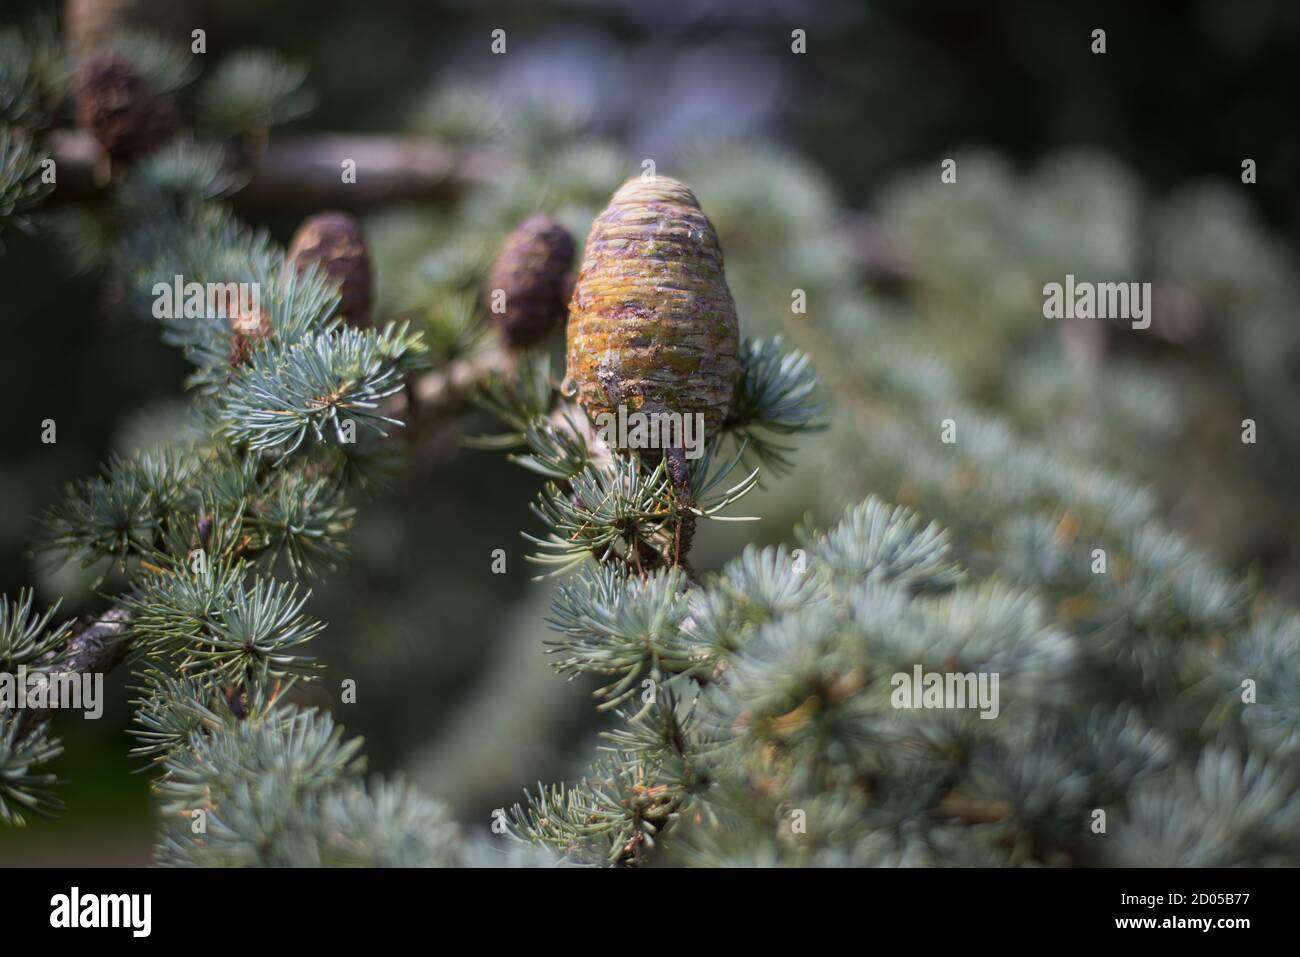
x=214 y=623
x=388 y=824
x=302 y=749
x=165 y=64
x=895 y=544
x=305 y=520
x=120 y=514
x=21 y=750
x=33 y=74
x=774 y=396
x=178 y=178
x=634 y=793
x=252 y=91
x=560 y=452
x=22 y=184
x=614 y=815
x=518 y=395
x=27 y=638
x=281 y=788
x=759 y=586
x=283 y=396
x=666 y=737
x=173 y=708
x=607 y=512
x=627 y=628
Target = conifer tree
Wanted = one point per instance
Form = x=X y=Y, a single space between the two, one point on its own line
x=1131 y=701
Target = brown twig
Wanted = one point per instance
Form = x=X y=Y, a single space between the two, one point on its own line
x=97 y=648
x=306 y=171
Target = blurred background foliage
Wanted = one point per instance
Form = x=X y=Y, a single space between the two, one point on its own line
x=821 y=173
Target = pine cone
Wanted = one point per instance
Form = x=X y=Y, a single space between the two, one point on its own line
x=532 y=271
x=121 y=110
x=335 y=241
x=652 y=322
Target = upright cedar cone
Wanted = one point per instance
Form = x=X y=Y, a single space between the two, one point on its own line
x=652 y=321
x=531 y=271
x=335 y=241
x=121 y=110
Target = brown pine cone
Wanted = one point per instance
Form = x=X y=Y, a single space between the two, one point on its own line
x=335 y=241
x=532 y=273
x=652 y=319
x=121 y=110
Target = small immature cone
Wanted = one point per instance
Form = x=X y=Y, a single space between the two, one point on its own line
x=248 y=327
x=246 y=330
x=335 y=241
x=121 y=110
x=532 y=272
x=652 y=319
